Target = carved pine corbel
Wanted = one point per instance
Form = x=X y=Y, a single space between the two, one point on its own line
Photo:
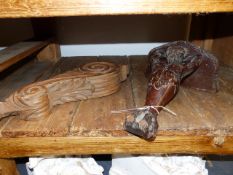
x=92 y=80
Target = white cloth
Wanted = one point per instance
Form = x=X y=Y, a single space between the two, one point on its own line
x=63 y=166
x=158 y=165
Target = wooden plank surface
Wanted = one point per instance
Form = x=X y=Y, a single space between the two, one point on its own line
x=222 y=48
x=209 y=113
x=17 y=52
x=203 y=123
x=42 y=8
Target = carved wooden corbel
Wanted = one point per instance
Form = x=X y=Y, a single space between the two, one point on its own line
x=92 y=80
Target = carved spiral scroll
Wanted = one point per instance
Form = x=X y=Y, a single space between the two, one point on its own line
x=98 y=67
x=31 y=101
x=92 y=80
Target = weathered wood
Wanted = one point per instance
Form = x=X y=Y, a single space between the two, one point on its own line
x=88 y=128
x=99 y=121
x=222 y=47
x=44 y=146
x=17 y=52
x=91 y=80
x=8 y=167
x=70 y=63
x=56 y=124
x=42 y=8
x=50 y=53
x=27 y=73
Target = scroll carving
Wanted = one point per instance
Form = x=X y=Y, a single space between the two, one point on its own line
x=169 y=66
x=92 y=80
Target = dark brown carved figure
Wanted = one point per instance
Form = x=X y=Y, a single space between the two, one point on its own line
x=169 y=66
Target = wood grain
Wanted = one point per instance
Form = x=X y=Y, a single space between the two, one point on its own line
x=56 y=124
x=60 y=119
x=99 y=120
x=8 y=167
x=91 y=80
x=27 y=73
x=203 y=120
x=17 y=52
x=208 y=112
x=44 y=146
x=222 y=47
x=42 y=8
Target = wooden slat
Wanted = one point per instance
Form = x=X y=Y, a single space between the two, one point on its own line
x=42 y=8
x=17 y=52
x=222 y=48
x=44 y=146
x=139 y=82
x=56 y=124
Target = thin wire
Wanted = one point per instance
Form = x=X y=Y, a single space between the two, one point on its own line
x=144 y=108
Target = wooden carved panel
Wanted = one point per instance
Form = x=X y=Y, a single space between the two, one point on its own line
x=92 y=80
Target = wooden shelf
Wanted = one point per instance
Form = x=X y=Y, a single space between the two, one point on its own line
x=19 y=51
x=203 y=125
x=45 y=8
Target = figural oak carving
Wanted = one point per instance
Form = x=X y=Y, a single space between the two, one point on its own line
x=169 y=66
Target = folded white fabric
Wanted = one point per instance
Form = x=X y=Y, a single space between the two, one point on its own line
x=63 y=166
x=158 y=165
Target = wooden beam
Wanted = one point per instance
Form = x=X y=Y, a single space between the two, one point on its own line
x=17 y=52
x=8 y=167
x=50 y=53
x=42 y=8
x=43 y=146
